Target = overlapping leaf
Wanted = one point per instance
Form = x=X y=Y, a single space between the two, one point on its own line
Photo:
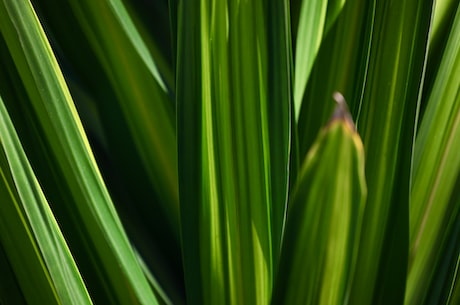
x=85 y=204
x=233 y=195
x=435 y=206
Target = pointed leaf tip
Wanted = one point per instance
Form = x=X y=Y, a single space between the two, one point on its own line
x=341 y=111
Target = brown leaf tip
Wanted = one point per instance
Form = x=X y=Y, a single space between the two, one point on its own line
x=341 y=111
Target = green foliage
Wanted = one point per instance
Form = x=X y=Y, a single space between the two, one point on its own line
x=188 y=152
x=336 y=215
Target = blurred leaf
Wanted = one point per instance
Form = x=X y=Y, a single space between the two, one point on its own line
x=233 y=108
x=454 y=295
x=161 y=295
x=121 y=140
x=436 y=169
x=443 y=17
x=152 y=20
x=324 y=219
x=10 y=292
x=88 y=209
x=30 y=235
x=141 y=93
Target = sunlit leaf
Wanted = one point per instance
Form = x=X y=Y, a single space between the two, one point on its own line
x=97 y=229
x=31 y=238
x=233 y=119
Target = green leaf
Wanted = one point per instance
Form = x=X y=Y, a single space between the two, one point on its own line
x=88 y=209
x=141 y=93
x=454 y=293
x=433 y=213
x=387 y=123
x=315 y=20
x=133 y=135
x=29 y=232
x=152 y=21
x=341 y=65
x=324 y=219
x=233 y=101
x=443 y=18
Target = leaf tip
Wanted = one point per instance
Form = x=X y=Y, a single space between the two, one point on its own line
x=341 y=111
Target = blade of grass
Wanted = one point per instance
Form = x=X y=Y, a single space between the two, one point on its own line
x=324 y=219
x=134 y=200
x=90 y=209
x=443 y=18
x=226 y=102
x=454 y=296
x=436 y=170
x=280 y=116
x=143 y=205
x=387 y=123
x=29 y=232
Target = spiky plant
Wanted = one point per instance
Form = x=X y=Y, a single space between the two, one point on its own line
x=189 y=152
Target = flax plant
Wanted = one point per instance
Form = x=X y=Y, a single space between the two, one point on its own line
x=229 y=152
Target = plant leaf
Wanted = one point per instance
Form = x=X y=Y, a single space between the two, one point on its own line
x=324 y=219
x=387 y=123
x=433 y=214
x=341 y=65
x=30 y=235
x=231 y=115
x=89 y=212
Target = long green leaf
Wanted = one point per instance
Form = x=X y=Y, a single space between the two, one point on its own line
x=141 y=93
x=387 y=123
x=432 y=212
x=89 y=211
x=324 y=219
x=122 y=140
x=231 y=113
x=30 y=235
x=454 y=295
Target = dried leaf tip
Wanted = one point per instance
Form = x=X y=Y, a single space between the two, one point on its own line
x=341 y=111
